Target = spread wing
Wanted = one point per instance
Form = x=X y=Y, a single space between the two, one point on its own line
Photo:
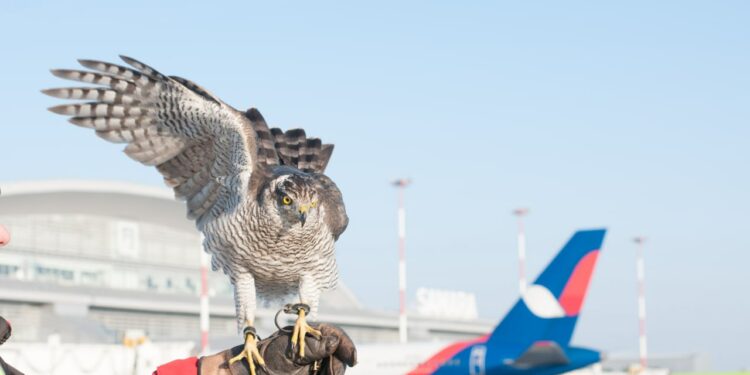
x=204 y=148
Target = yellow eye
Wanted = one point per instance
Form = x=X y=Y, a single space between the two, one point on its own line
x=286 y=200
x=314 y=204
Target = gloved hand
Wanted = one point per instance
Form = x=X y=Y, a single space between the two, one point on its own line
x=5 y=330
x=4 y=336
x=326 y=356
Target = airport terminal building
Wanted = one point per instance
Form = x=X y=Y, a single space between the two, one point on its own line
x=89 y=261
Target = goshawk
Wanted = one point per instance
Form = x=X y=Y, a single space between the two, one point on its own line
x=269 y=215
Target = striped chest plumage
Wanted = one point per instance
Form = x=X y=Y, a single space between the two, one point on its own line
x=250 y=239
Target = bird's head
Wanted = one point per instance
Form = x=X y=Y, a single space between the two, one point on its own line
x=295 y=197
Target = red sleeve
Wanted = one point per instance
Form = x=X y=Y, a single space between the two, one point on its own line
x=188 y=366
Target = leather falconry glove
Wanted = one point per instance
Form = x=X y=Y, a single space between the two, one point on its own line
x=329 y=355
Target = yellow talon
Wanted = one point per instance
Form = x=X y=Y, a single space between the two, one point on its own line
x=250 y=353
x=301 y=329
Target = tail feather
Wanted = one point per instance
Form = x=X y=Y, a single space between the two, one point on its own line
x=308 y=154
x=324 y=156
x=266 y=148
x=292 y=148
x=289 y=149
x=297 y=150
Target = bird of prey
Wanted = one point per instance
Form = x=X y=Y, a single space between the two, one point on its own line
x=269 y=215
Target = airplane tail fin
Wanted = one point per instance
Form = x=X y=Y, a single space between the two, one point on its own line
x=549 y=309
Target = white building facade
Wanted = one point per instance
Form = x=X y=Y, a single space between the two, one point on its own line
x=89 y=261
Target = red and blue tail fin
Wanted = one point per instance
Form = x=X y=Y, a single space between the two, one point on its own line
x=535 y=334
x=549 y=309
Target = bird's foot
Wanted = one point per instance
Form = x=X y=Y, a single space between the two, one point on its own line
x=301 y=328
x=250 y=352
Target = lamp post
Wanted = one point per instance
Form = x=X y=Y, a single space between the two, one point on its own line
x=520 y=213
x=401 y=184
x=641 y=272
x=204 y=313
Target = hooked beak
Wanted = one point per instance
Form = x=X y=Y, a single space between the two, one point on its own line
x=303 y=209
x=303 y=214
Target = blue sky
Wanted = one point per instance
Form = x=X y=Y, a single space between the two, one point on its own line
x=632 y=116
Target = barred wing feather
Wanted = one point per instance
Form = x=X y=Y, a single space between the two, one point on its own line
x=194 y=139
